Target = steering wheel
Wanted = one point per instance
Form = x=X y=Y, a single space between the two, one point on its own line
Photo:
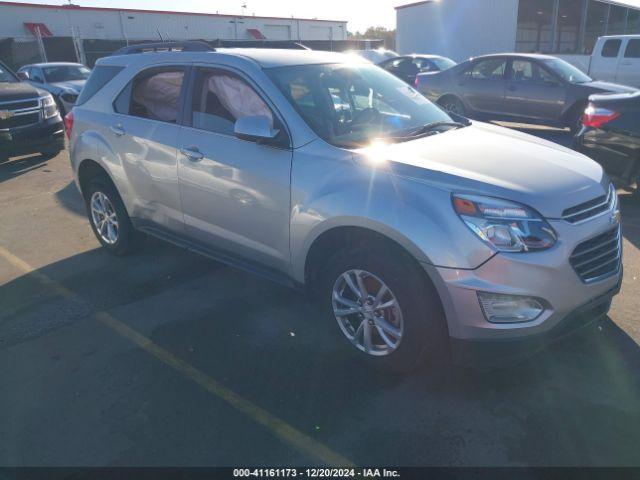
x=368 y=115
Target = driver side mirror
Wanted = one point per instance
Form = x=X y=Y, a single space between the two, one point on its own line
x=23 y=75
x=256 y=128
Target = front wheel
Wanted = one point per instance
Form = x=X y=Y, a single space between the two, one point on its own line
x=108 y=217
x=454 y=105
x=385 y=309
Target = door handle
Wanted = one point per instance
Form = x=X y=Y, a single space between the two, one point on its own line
x=192 y=153
x=117 y=130
x=512 y=88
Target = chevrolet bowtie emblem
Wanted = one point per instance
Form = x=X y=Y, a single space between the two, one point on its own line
x=5 y=114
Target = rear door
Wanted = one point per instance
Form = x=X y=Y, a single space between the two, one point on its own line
x=483 y=84
x=629 y=66
x=235 y=192
x=143 y=133
x=604 y=62
x=533 y=92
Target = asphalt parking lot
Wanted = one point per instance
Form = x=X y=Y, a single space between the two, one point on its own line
x=165 y=358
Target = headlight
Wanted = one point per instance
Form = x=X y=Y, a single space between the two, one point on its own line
x=49 y=107
x=506 y=226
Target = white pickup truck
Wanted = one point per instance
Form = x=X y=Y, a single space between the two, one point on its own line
x=616 y=58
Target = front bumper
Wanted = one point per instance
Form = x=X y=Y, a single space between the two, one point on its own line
x=42 y=136
x=544 y=275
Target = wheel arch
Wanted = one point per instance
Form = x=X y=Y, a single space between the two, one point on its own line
x=332 y=237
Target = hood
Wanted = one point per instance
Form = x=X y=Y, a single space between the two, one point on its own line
x=599 y=86
x=490 y=160
x=71 y=85
x=17 y=91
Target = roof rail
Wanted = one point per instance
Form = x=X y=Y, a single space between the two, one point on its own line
x=191 y=46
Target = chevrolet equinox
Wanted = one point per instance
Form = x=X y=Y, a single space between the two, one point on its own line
x=421 y=233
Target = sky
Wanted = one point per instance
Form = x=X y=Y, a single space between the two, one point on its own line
x=359 y=13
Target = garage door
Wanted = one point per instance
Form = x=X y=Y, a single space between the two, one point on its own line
x=278 y=32
x=320 y=33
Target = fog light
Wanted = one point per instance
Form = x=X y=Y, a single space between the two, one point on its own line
x=500 y=308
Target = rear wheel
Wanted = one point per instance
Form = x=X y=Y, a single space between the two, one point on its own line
x=108 y=217
x=453 y=105
x=386 y=310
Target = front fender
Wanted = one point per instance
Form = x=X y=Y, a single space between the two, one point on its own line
x=331 y=190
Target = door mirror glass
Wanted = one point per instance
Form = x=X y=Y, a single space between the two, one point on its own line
x=23 y=75
x=255 y=127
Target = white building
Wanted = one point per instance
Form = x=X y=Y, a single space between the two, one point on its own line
x=21 y=20
x=460 y=29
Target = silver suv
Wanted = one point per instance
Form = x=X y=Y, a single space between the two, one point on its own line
x=420 y=232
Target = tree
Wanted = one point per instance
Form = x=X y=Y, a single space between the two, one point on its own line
x=374 y=33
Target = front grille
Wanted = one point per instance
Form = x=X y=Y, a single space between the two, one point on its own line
x=20 y=121
x=598 y=257
x=21 y=113
x=592 y=208
x=20 y=104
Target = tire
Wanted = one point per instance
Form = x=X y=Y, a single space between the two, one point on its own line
x=420 y=321
x=453 y=105
x=52 y=153
x=123 y=241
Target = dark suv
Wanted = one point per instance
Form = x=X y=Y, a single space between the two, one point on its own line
x=29 y=118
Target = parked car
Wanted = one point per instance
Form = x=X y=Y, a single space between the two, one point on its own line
x=376 y=56
x=616 y=58
x=611 y=135
x=62 y=80
x=29 y=118
x=417 y=230
x=407 y=67
x=527 y=88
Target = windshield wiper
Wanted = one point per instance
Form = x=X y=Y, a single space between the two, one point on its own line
x=426 y=130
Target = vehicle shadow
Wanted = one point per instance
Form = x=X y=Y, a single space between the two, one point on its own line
x=69 y=197
x=576 y=403
x=19 y=166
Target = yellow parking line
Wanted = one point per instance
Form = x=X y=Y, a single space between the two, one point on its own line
x=275 y=425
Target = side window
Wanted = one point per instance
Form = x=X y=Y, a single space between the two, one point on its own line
x=220 y=98
x=633 y=48
x=611 y=48
x=492 y=69
x=153 y=94
x=527 y=71
x=424 y=65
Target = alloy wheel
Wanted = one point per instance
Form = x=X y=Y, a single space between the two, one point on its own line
x=104 y=218
x=367 y=312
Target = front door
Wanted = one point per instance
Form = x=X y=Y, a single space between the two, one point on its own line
x=235 y=192
x=533 y=93
x=629 y=66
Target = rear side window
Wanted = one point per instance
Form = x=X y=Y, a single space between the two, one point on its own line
x=633 y=49
x=154 y=94
x=611 y=48
x=100 y=76
x=492 y=69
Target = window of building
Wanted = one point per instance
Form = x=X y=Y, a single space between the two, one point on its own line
x=535 y=24
x=617 y=20
x=633 y=21
x=153 y=94
x=611 y=48
x=596 y=23
x=567 y=38
x=633 y=49
x=220 y=98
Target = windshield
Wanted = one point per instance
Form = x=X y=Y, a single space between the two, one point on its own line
x=65 y=73
x=6 y=76
x=443 y=63
x=349 y=106
x=566 y=71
